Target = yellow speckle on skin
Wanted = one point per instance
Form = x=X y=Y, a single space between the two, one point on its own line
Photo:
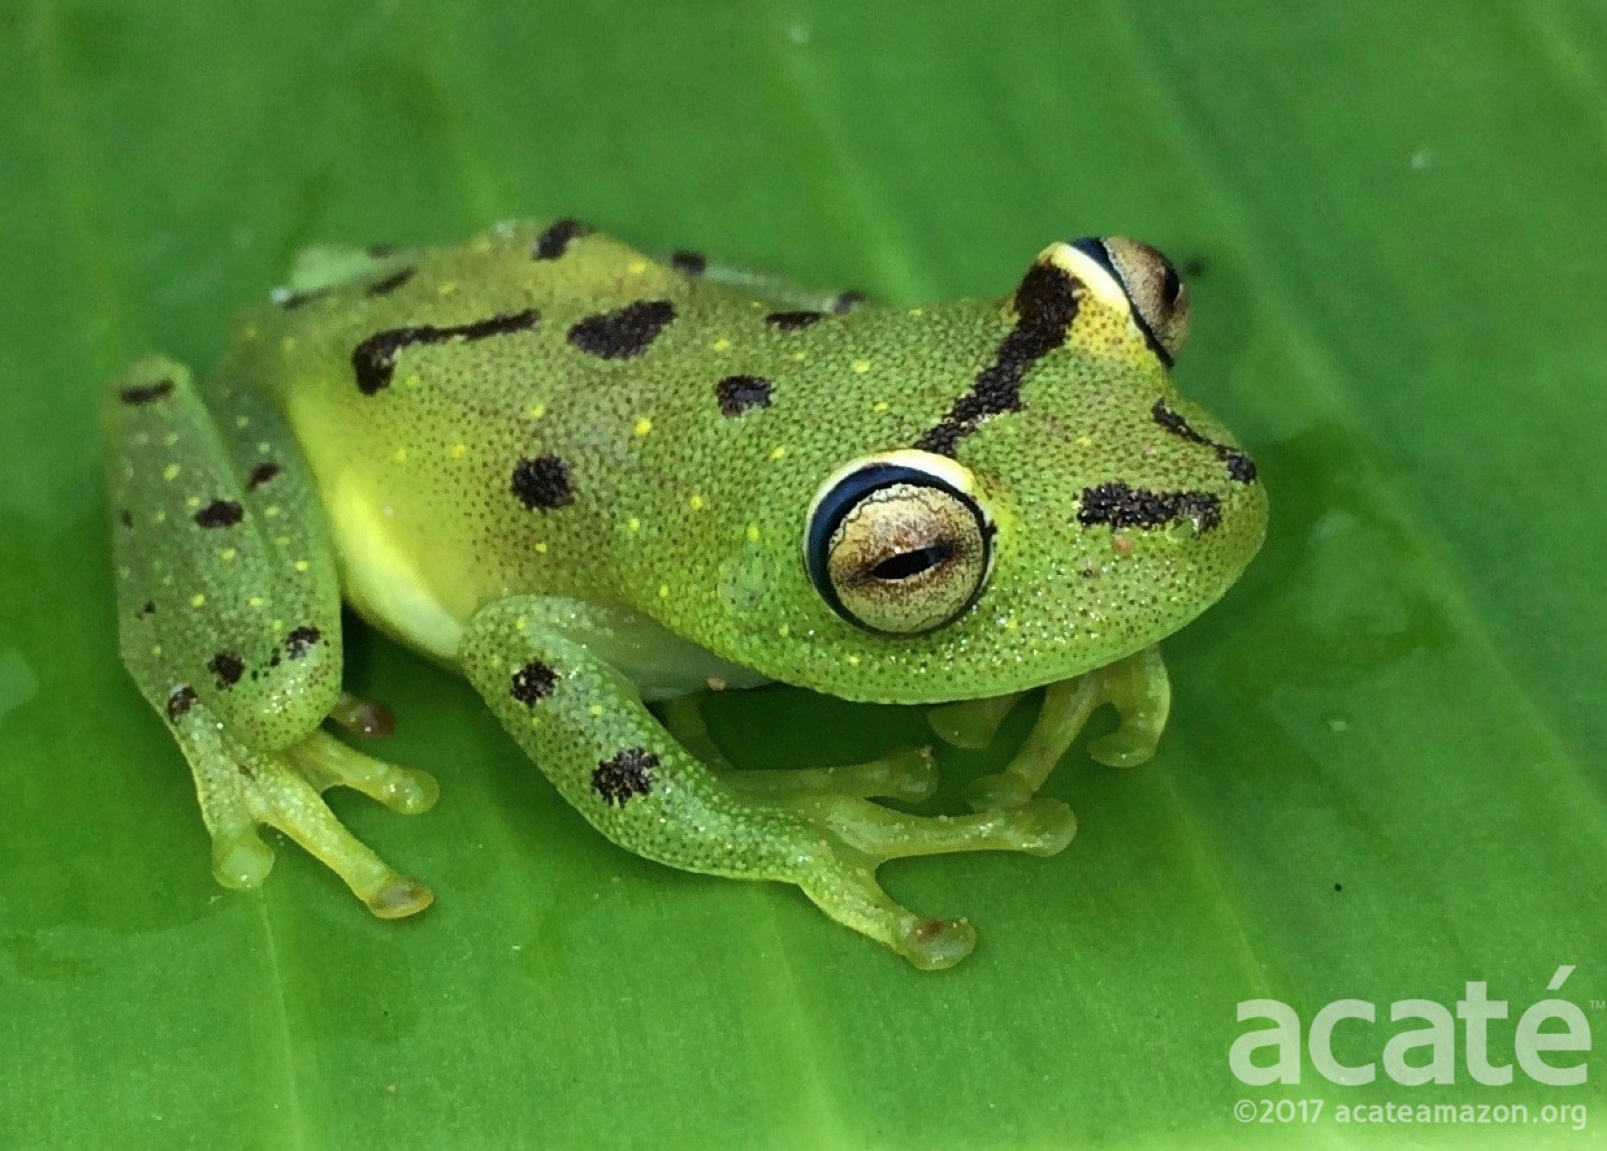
x=636 y=267
x=193 y=502
x=1084 y=440
x=753 y=533
x=784 y=631
x=413 y=380
x=271 y=511
x=643 y=426
x=595 y=709
x=197 y=599
x=242 y=421
x=301 y=565
x=536 y=411
x=663 y=591
x=721 y=345
x=916 y=311
x=861 y=366
x=1009 y=623
x=778 y=452
x=458 y=451
x=400 y=455
x=160 y=517
x=226 y=554
x=264 y=448
x=156 y=650
x=880 y=406
x=633 y=524
x=535 y=721
x=541 y=548
x=520 y=624
x=799 y=356
x=447 y=287
x=255 y=601
x=853 y=661
x=695 y=502
x=171 y=472
x=170 y=439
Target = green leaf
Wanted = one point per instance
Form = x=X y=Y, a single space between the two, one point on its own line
x=1383 y=776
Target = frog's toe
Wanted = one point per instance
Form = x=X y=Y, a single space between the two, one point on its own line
x=933 y=944
x=1128 y=746
x=400 y=898
x=908 y=774
x=998 y=792
x=326 y=763
x=363 y=717
x=240 y=860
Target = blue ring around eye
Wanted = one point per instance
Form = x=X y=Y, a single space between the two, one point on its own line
x=847 y=494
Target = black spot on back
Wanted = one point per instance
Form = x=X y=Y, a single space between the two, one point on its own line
x=738 y=394
x=532 y=683
x=391 y=282
x=554 y=241
x=627 y=774
x=146 y=393
x=792 y=321
x=1241 y=468
x=374 y=359
x=126 y=518
x=260 y=475
x=148 y=610
x=542 y=482
x=179 y=702
x=227 y=667
x=624 y=332
x=1122 y=506
x=692 y=263
x=220 y=514
x=301 y=640
x=1046 y=305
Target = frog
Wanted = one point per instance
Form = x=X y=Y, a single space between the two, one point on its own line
x=600 y=485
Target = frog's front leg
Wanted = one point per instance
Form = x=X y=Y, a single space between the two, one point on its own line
x=229 y=614
x=1138 y=688
x=585 y=725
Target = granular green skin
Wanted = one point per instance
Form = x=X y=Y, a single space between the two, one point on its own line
x=584 y=478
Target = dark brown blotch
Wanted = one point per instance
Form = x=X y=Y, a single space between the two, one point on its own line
x=147 y=393
x=542 y=483
x=692 y=263
x=391 y=282
x=532 y=683
x=179 y=702
x=1121 y=506
x=793 y=321
x=126 y=518
x=220 y=514
x=738 y=394
x=629 y=773
x=554 y=240
x=261 y=474
x=624 y=332
x=227 y=667
x=301 y=640
x=374 y=360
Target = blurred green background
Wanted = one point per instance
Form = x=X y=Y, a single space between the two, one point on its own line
x=1384 y=772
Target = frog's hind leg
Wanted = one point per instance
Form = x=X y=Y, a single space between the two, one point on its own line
x=229 y=615
x=583 y=722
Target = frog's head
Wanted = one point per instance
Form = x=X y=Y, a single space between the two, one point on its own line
x=1067 y=508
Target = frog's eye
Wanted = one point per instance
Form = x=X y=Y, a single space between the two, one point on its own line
x=898 y=544
x=1157 y=293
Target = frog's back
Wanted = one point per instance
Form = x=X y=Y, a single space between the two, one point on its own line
x=527 y=413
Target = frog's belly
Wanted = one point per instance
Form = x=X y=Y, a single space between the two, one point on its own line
x=382 y=581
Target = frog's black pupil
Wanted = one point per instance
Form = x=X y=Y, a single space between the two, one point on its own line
x=907 y=564
x=1171 y=285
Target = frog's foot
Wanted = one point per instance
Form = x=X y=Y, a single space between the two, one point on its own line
x=1137 y=686
x=241 y=789
x=839 y=874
